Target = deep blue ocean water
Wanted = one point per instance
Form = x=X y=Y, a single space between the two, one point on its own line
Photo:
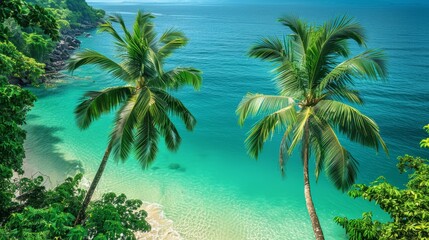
x=219 y=192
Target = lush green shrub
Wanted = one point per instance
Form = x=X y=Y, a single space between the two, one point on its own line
x=114 y=216
x=408 y=208
x=50 y=214
x=425 y=142
x=37 y=46
x=14 y=64
x=14 y=104
x=27 y=15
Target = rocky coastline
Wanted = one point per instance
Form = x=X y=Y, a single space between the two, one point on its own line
x=64 y=49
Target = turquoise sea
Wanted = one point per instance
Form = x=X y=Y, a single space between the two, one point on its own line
x=218 y=192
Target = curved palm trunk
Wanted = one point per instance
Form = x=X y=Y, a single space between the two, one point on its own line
x=307 y=193
x=91 y=190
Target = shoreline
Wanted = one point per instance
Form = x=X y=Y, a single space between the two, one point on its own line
x=162 y=228
x=64 y=49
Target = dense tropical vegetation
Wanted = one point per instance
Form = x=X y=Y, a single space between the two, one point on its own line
x=408 y=208
x=31 y=29
x=315 y=75
x=145 y=104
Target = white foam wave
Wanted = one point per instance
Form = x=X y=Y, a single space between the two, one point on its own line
x=161 y=227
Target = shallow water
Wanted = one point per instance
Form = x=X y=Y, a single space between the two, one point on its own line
x=217 y=191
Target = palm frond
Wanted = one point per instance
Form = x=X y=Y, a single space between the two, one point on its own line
x=271 y=49
x=253 y=104
x=93 y=57
x=356 y=126
x=175 y=107
x=340 y=166
x=330 y=42
x=300 y=30
x=96 y=103
x=171 y=39
x=168 y=130
x=298 y=132
x=338 y=93
x=146 y=142
x=291 y=80
x=108 y=27
x=122 y=136
x=343 y=28
x=178 y=77
x=284 y=146
x=265 y=127
x=127 y=120
x=370 y=64
x=117 y=18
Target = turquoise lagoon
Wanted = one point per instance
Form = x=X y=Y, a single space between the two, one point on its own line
x=217 y=191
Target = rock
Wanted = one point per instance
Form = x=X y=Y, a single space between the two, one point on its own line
x=65 y=47
x=174 y=166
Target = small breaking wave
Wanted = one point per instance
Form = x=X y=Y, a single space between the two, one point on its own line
x=161 y=227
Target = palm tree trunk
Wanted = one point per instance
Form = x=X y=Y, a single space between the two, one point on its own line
x=307 y=193
x=91 y=190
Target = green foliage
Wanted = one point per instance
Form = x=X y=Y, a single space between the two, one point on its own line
x=71 y=13
x=14 y=64
x=37 y=46
x=144 y=104
x=83 y=12
x=315 y=74
x=425 y=142
x=15 y=34
x=27 y=15
x=408 y=208
x=115 y=216
x=14 y=104
x=46 y=223
x=50 y=214
x=7 y=191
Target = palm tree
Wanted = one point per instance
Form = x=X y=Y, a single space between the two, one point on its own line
x=314 y=74
x=145 y=105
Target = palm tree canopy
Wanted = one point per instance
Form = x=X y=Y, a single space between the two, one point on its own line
x=144 y=104
x=315 y=75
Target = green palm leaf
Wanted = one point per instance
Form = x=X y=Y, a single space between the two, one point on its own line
x=356 y=126
x=178 y=77
x=368 y=65
x=92 y=57
x=176 y=108
x=96 y=103
x=253 y=104
x=145 y=108
x=146 y=142
x=299 y=29
x=172 y=40
x=266 y=127
x=271 y=49
x=340 y=166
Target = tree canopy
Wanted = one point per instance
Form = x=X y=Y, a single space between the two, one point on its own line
x=407 y=207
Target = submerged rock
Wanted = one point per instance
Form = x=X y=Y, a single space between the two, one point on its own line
x=174 y=166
